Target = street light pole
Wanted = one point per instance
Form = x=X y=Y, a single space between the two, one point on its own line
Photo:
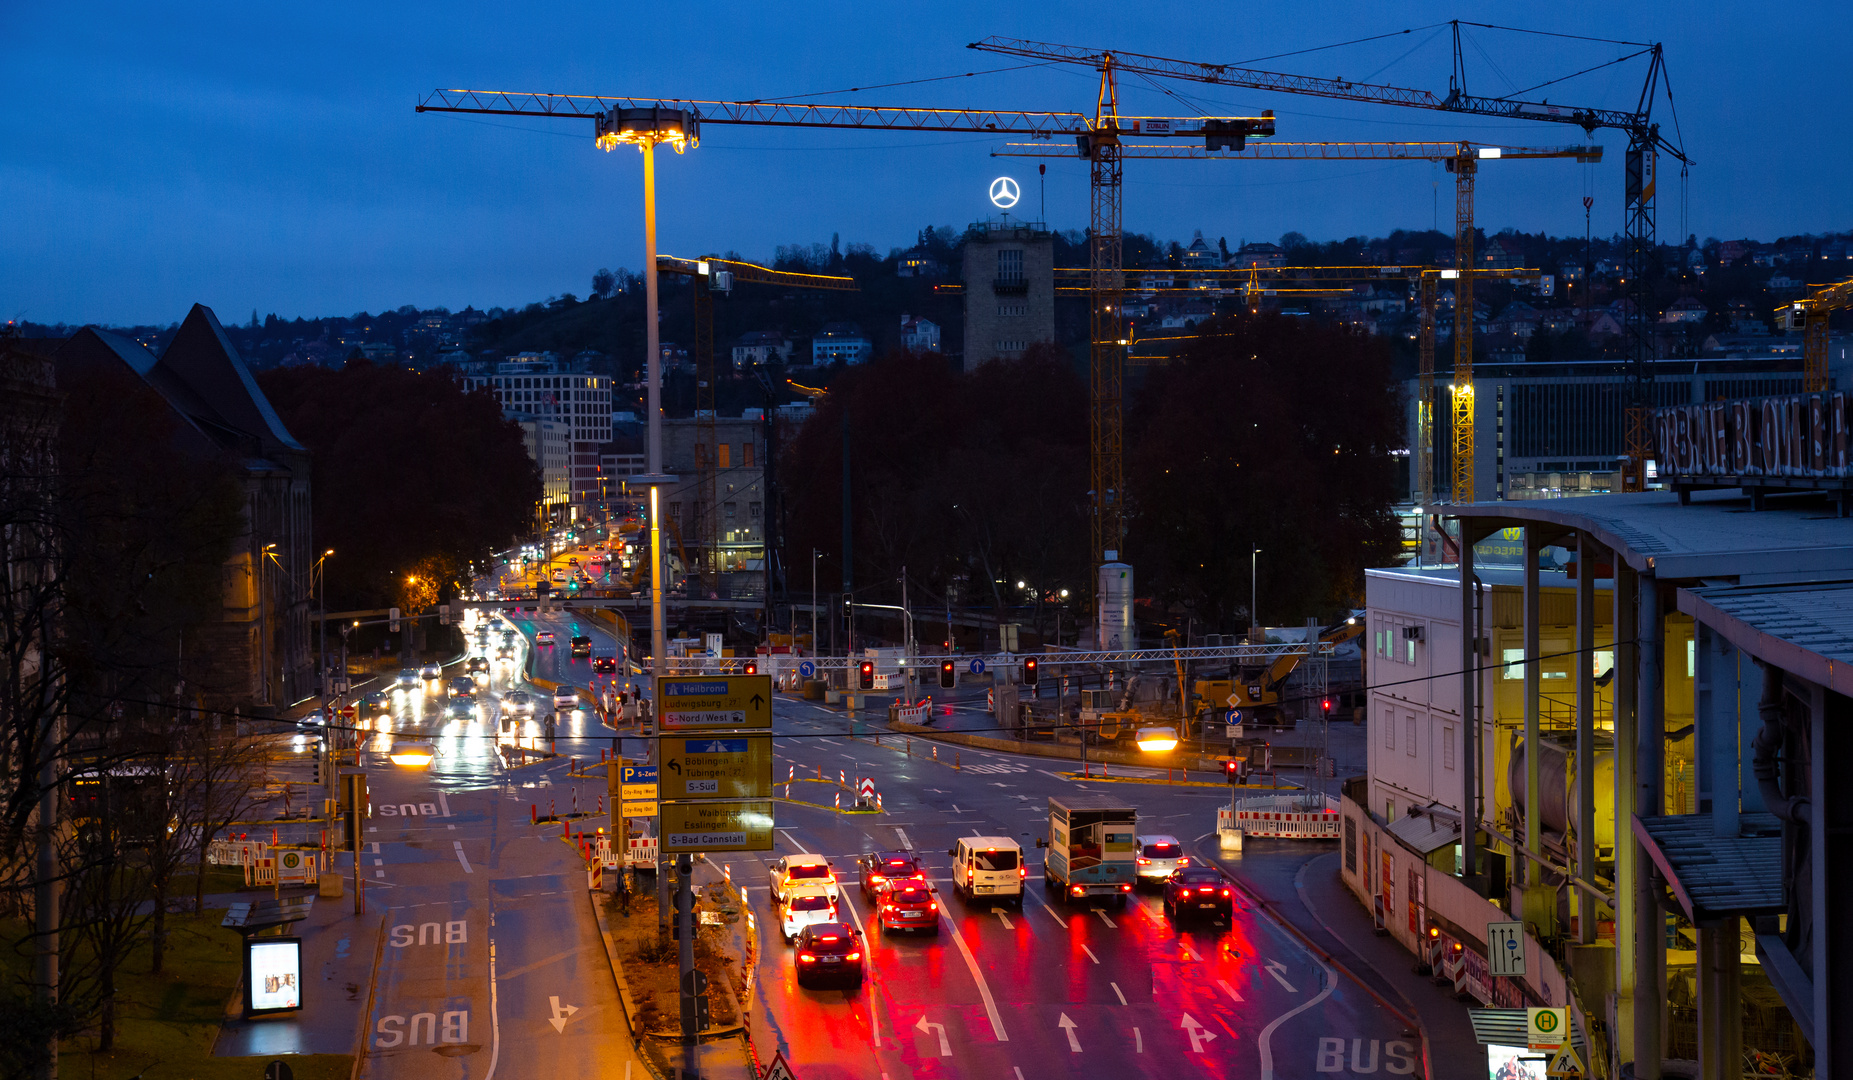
x=814 y=604
x=1254 y=590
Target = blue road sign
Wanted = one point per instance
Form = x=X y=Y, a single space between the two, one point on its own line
x=977 y=666
x=637 y=774
x=715 y=746
x=806 y=668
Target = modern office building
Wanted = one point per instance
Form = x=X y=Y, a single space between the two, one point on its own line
x=540 y=386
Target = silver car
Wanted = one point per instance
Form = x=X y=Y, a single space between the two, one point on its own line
x=1159 y=854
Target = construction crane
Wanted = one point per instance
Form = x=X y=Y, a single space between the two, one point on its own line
x=711 y=275
x=1645 y=144
x=1098 y=136
x=1809 y=315
x=1463 y=160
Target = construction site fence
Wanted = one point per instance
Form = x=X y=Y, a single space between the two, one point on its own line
x=1293 y=817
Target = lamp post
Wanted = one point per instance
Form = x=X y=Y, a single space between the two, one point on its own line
x=1254 y=591
x=814 y=604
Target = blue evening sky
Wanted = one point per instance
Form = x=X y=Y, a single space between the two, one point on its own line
x=267 y=155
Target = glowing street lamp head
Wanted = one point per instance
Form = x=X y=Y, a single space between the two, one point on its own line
x=1005 y=192
x=1157 y=740
x=647 y=127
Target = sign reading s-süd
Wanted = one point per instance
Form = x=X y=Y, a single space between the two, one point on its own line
x=715 y=702
x=717 y=826
x=717 y=767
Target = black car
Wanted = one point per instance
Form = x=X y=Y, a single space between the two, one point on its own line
x=828 y=950
x=581 y=645
x=1199 y=890
x=605 y=665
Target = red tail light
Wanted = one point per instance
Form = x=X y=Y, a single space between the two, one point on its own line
x=853 y=956
x=1022 y=871
x=876 y=879
x=1126 y=888
x=933 y=906
x=1225 y=892
x=806 y=958
x=1077 y=890
x=1183 y=860
x=1207 y=888
x=1145 y=862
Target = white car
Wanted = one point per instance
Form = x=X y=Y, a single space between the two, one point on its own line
x=1159 y=854
x=565 y=699
x=543 y=637
x=807 y=904
x=794 y=872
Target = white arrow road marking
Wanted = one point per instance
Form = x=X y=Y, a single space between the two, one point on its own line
x=560 y=1013
x=1227 y=989
x=1067 y=1026
x=1004 y=917
x=461 y=858
x=929 y=1030
x=1198 y=1036
x=1267 y=1033
x=1276 y=969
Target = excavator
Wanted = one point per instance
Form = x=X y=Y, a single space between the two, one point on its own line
x=1254 y=689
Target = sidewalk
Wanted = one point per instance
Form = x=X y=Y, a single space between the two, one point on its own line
x=1314 y=900
x=339 y=950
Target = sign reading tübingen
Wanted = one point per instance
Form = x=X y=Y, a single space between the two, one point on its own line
x=715 y=702
x=717 y=826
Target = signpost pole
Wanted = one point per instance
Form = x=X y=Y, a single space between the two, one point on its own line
x=685 y=951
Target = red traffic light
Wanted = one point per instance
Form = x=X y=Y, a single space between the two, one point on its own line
x=1029 y=671
x=865 y=676
x=1232 y=770
x=1326 y=704
x=752 y=667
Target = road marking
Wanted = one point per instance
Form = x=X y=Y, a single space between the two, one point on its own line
x=1267 y=1050
x=1105 y=918
x=458 y=844
x=1116 y=990
x=1090 y=954
x=929 y=1030
x=495 y=1020
x=452 y=828
x=1276 y=968
x=379 y=873
x=874 y=1016
x=445 y=803
x=379 y=862
x=560 y=1013
x=1138 y=1042
x=1004 y=917
x=376 y=847
x=1198 y=1036
x=984 y=991
x=1067 y=1025
x=1227 y=989
x=906 y=844
x=1187 y=953
x=1047 y=908
x=956 y=810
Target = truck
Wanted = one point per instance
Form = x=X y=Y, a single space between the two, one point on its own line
x=1090 y=848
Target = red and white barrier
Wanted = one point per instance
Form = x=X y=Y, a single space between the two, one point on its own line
x=1289 y=817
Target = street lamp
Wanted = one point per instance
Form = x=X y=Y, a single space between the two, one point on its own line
x=1254 y=592
x=1157 y=740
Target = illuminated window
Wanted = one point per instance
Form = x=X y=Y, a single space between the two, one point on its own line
x=1447 y=746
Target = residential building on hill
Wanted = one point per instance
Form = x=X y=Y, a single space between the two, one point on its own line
x=841 y=342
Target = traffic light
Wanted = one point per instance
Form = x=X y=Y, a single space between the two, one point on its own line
x=443 y=614
x=1232 y=771
x=316 y=762
x=865 y=676
x=1325 y=706
x=948 y=675
x=752 y=667
x=1029 y=671
x=702 y=1023
x=392 y=620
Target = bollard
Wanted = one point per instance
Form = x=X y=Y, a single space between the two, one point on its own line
x=566 y=829
x=878 y=806
x=727 y=873
x=936 y=752
x=957 y=755
x=533 y=814
x=601 y=806
x=910 y=745
x=553 y=811
x=839 y=802
x=842 y=778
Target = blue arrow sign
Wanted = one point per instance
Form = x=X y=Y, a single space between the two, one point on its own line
x=715 y=746
x=637 y=774
x=806 y=668
x=977 y=666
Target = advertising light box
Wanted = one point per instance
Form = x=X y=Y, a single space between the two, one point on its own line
x=272 y=975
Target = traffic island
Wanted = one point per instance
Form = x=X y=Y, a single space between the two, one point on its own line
x=643 y=960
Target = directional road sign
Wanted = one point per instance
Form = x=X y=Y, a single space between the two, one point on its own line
x=977 y=666
x=806 y=669
x=1505 y=949
x=637 y=782
x=718 y=767
x=715 y=702
x=645 y=808
x=717 y=826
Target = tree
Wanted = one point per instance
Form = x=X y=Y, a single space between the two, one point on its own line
x=603 y=283
x=410 y=471
x=1270 y=432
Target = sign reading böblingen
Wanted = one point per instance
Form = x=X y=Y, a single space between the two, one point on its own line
x=715 y=701
x=718 y=767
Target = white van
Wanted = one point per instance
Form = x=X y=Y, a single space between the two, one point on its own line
x=988 y=868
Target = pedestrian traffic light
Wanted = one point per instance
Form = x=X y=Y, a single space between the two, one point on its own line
x=1232 y=770
x=865 y=676
x=1029 y=671
x=948 y=675
x=392 y=620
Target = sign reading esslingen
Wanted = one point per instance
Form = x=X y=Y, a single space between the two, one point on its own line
x=717 y=826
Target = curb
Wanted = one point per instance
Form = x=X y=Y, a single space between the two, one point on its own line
x=617 y=975
x=363 y=1044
